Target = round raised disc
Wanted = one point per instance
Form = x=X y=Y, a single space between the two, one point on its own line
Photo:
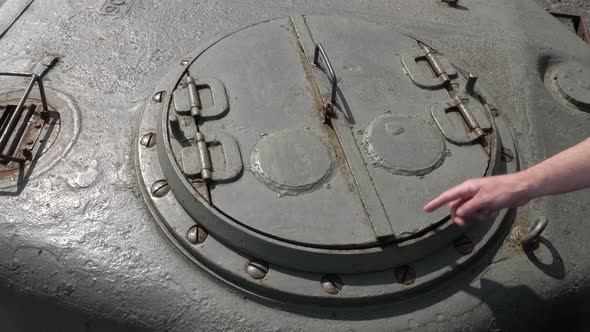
x=573 y=81
x=292 y=162
x=404 y=145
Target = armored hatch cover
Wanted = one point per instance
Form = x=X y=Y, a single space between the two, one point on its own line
x=298 y=153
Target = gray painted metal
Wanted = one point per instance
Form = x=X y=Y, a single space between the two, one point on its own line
x=294 y=163
x=404 y=145
x=80 y=244
x=573 y=81
x=11 y=11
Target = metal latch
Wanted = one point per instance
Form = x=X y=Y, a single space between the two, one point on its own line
x=17 y=122
x=200 y=159
x=328 y=107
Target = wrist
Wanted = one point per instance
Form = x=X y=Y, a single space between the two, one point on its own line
x=530 y=183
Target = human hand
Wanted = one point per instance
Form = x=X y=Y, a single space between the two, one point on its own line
x=483 y=198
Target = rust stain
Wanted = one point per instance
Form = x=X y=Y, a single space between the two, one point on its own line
x=328 y=130
x=520 y=228
x=32 y=135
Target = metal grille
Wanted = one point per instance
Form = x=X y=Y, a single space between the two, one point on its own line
x=15 y=120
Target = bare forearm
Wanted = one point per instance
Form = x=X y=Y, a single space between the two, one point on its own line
x=567 y=171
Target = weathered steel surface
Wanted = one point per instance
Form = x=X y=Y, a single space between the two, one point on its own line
x=81 y=250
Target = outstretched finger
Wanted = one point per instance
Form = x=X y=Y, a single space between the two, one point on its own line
x=463 y=191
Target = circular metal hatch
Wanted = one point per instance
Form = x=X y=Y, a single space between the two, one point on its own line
x=310 y=145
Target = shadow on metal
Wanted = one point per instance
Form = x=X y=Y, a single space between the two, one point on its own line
x=16 y=310
x=556 y=268
x=528 y=311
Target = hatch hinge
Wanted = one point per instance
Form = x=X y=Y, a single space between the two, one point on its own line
x=203 y=157
x=203 y=97
x=457 y=100
x=445 y=73
x=215 y=159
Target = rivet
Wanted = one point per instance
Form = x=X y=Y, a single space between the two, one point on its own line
x=332 y=283
x=148 y=140
x=507 y=155
x=196 y=235
x=463 y=245
x=405 y=274
x=160 y=188
x=157 y=97
x=257 y=269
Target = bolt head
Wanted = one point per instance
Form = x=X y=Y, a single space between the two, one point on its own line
x=157 y=97
x=507 y=155
x=160 y=188
x=148 y=140
x=332 y=284
x=257 y=269
x=405 y=274
x=463 y=245
x=196 y=235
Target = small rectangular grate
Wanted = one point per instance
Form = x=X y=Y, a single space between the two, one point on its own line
x=15 y=121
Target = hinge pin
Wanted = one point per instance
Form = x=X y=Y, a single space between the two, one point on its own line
x=193 y=95
x=457 y=100
x=205 y=159
x=435 y=64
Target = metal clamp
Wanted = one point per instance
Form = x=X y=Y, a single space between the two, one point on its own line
x=532 y=238
x=319 y=50
x=15 y=127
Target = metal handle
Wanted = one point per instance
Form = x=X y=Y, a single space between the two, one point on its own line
x=319 y=49
x=532 y=238
x=220 y=102
x=232 y=157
